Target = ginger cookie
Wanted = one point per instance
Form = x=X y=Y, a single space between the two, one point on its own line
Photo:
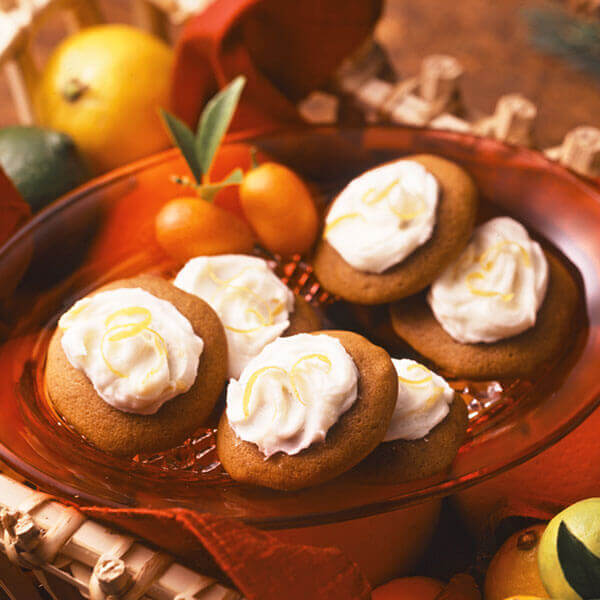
x=517 y=356
x=392 y=230
x=400 y=461
x=254 y=305
x=427 y=429
x=306 y=409
x=304 y=319
x=157 y=357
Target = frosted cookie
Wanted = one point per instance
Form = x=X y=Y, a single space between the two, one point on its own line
x=306 y=409
x=254 y=305
x=426 y=431
x=392 y=230
x=137 y=366
x=503 y=309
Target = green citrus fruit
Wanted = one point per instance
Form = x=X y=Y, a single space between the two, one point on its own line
x=43 y=164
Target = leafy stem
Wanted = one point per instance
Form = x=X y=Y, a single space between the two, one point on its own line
x=199 y=149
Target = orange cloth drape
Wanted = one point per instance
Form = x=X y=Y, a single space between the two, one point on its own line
x=285 y=48
x=260 y=566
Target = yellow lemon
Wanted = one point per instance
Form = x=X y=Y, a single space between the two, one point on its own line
x=514 y=569
x=583 y=521
x=103 y=86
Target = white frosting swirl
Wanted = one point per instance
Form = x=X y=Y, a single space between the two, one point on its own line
x=137 y=350
x=424 y=400
x=495 y=288
x=252 y=303
x=292 y=393
x=384 y=215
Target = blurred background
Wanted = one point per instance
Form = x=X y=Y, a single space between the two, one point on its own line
x=546 y=50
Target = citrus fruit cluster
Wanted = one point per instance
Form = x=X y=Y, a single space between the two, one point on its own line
x=232 y=208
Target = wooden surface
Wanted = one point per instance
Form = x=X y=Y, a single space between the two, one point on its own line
x=489 y=38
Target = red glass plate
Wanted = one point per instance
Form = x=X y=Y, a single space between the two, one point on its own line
x=105 y=230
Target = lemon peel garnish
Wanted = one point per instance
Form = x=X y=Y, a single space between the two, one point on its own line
x=131 y=329
x=75 y=311
x=320 y=357
x=372 y=196
x=378 y=196
x=487 y=265
x=253 y=310
x=291 y=375
x=222 y=282
x=335 y=222
x=506 y=297
x=161 y=349
x=428 y=375
x=125 y=331
x=250 y=386
x=437 y=390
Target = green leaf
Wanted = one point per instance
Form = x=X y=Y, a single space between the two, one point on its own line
x=580 y=566
x=184 y=138
x=210 y=190
x=215 y=120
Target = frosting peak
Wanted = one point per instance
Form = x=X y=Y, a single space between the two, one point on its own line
x=383 y=215
x=292 y=393
x=252 y=303
x=423 y=401
x=495 y=288
x=137 y=350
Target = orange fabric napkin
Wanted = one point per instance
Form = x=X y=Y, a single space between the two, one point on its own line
x=260 y=567
x=285 y=48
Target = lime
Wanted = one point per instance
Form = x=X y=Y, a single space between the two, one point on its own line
x=43 y=164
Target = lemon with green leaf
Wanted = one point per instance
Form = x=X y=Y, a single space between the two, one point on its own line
x=569 y=552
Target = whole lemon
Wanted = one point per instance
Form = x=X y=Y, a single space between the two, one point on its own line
x=103 y=86
x=583 y=521
x=514 y=569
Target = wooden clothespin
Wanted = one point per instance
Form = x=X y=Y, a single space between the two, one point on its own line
x=580 y=151
x=413 y=101
x=512 y=121
x=155 y=16
x=19 y=20
x=440 y=79
x=436 y=91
